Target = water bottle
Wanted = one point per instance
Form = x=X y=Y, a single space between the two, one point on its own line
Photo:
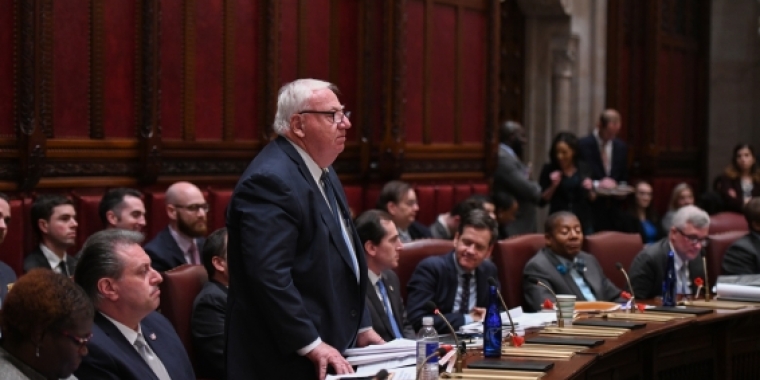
x=427 y=344
x=670 y=282
x=492 y=327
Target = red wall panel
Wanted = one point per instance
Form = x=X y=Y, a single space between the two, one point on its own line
x=171 y=45
x=415 y=47
x=71 y=33
x=246 y=66
x=347 y=58
x=474 y=76
x=6 y=68
x=314 y=39
x=443 y=72
x=288 y=46
x=119 y=69
x=209 y=34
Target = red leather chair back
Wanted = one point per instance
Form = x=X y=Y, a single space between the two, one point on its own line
x=611 y=247
x=510 y=256
x=715 y=251
x=217 y=216
x=416 y=251
x=178 y=291
x=727 y=221
x=88 y=219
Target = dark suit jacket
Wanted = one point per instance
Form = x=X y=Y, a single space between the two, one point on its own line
x=7 y=276
x=112 y=357
x=380 y=321
x=743 y=257
x=36 y=259
x=207 y=327
x=435 y=279
x=570 y=194
x=164 y=252
x=606 y=211
x=543 y=266
x=418 y=230
x=648 y=270
x=440 y=231
x=734 y=204
x=510 y=178
x=292 y=279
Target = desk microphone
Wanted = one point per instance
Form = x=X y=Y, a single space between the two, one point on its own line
x=707 y=281
x=533 y=280
x=628 y=280
x=441 y=352
x=382 y=375
x=495 y=284
x=433 y=308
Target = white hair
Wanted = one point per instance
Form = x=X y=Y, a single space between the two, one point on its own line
x=691 y=215
x=292 y=98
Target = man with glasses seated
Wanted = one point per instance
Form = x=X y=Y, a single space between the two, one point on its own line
x=687 y=238
x=182 y=240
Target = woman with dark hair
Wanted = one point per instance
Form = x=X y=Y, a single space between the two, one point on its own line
x=741 y=180
x=46 y=324
x=565 y=181
x=642 y=212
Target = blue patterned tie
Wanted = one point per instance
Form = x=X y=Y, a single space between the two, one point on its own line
x=388 y=309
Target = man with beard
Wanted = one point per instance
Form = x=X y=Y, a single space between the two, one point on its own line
x=566 y=269
x=130 y=339
x=181 y=241
x=512 y=177
x=7 y=275
x=54 y=222
x=122 y=208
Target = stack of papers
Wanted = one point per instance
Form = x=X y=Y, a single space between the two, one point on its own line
x=371 y=359
x=739 y=288
x=522 y=321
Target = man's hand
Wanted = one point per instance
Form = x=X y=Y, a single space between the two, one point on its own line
x=324 y=355
x=555 y=177
x=731 y=193
x=607 y=183
x=368 y=337
x=478 y=313
x=587 y=184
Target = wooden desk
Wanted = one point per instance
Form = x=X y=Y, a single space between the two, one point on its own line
x=722 y=345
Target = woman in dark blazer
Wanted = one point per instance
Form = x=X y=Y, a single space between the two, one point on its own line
x=741 y=180
x=566 y=181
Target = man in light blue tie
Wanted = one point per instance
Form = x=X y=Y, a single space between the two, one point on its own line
x=564 y=267
x=381 y=243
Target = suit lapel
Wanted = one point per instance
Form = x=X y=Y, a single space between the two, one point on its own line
x=377 y=303
x=451 y=283
x=566 y=277
x=394 y=297
x=171 y=246
x=156 y=343
x=126 y=349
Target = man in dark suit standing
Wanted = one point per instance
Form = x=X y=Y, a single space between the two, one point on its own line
x=686 y=238
x=298 y=277
x=743 y=257
x=182 y=240
x=607 y=156
x=379 y=237
x=210 y=309
x=7 y=275
x=564 y=267
x=130 y=340
x=54 y=222
x=457 y=282
x=513 y=178
x=399 y=199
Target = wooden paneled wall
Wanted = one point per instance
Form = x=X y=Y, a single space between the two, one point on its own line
x=97 y=93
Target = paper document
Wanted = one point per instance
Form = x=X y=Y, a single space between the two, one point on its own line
x=398 y=345
x=406 y=373
x=738 y=292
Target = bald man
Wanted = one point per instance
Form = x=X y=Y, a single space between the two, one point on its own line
x=182 y=240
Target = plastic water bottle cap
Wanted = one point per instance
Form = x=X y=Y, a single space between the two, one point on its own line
x=427 y=321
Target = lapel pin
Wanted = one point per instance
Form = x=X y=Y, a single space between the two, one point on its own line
x=152 y=336
x=391 y=288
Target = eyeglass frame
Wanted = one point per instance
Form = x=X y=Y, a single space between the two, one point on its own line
x=694 y=239
x=81 y=342
x=195 y=207
x=346 y=114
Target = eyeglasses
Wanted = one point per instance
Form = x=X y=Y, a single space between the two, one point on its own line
x=694 y=239
x=81 y=342
x=337 y=116
x=194 y=207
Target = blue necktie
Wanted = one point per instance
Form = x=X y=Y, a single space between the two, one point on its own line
x=388 y=310
x=330 y=195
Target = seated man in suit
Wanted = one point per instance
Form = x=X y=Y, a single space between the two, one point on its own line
x=181 y=241
x=743 y=257
x=566 y=269
x=381 y=244
x=54 y=221
x=210 y=308
x=686 y=238
x=122 y=208
x=457 y=282
x=7 y=275
x=399 y=200
x=447 y=224
x=505 y=208
x=130 y=340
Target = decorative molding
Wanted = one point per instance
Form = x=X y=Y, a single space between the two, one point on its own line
x=96 y=68
x=366 y=91
x=391 y=156
x=443 y=166
x=189 y=52
x=89 y=169
x=46 y=67
x=228 y=92
x=196 y=167
x=147 y=100
x=546 y=8
x=9 y=170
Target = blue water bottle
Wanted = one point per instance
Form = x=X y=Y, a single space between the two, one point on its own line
x=492 y=327
x=670 y=282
